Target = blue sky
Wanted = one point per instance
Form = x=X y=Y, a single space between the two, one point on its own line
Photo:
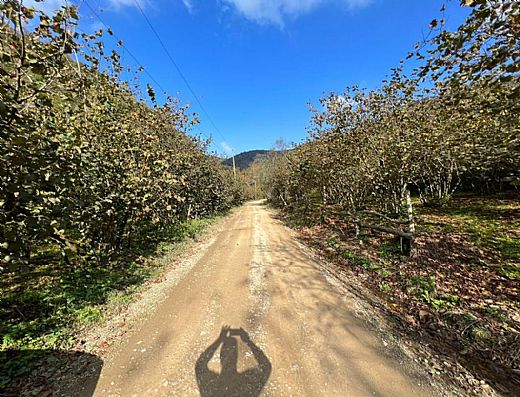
x=256 y=64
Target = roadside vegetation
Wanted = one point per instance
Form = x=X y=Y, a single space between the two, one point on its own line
x=414 y=187
x=96 y=177
x=64 y=306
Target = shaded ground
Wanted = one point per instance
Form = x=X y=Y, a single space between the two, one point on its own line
x=46 y=373
x=293 y=333
x=460 y=289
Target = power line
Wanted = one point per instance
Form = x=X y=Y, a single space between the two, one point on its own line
x=120 y=42
x=179 y=70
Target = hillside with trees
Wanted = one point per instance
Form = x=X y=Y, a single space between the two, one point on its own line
x=245 y=159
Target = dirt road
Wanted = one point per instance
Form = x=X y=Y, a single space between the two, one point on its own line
x=292 y=332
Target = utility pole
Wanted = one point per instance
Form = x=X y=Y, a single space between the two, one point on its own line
x=254 y=180
x=234 y=167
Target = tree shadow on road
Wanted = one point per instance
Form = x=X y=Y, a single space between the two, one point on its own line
x=229 y=382
x=48 y=373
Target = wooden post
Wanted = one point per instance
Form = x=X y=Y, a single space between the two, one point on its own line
x=407 y=243
x=409 y=210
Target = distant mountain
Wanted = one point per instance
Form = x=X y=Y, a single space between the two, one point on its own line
x=245 y=159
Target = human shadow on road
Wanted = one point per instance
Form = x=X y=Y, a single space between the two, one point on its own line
x=230 y=382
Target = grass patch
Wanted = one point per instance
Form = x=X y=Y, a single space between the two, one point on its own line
x=481 y=335
x=491 y=224
x=389 y=249
x=385 y=288
x=444 y=301
x=385 y=273
x=359 y=260
x=511 y=271
x=423 y=283
x=333 y=242
x=496 y=312
x=425 y=289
